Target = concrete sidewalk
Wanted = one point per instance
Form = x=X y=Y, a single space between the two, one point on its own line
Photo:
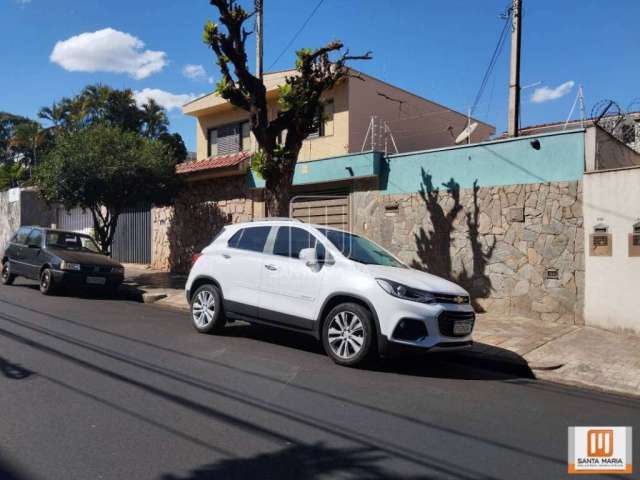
x=557 y=352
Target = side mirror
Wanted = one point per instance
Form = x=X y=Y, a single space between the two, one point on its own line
x=308 y=256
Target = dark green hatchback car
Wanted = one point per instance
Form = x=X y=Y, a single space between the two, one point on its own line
x=58 y=259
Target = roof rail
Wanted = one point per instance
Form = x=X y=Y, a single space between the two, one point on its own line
x=276 y=219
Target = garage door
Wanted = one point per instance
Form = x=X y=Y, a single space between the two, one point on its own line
x=332 y=211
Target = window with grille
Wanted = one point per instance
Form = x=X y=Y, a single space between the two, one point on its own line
x=228 y=139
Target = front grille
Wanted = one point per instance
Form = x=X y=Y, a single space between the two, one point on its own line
x=93 y=269
x=456 y=299
x=447 y=319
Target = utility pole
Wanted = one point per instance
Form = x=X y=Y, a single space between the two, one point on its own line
x=259 y=39
x=514 y=76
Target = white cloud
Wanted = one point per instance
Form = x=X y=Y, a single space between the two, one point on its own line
x=108 y=50
x=168 y=100
x=546 y=94
x=194 y=72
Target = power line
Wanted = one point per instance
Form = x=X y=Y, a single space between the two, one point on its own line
x=494 y=58
x=304 y=24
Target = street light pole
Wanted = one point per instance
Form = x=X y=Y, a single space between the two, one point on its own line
x=259 y=39
x=514 y=76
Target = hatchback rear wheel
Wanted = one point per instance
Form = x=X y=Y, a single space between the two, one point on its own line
x=7 y=277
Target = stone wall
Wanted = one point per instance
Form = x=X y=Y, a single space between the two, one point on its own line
x=199 y=213
x=518 y=249
x=9 y=216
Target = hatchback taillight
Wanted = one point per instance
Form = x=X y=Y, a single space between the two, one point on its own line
x=195 y=257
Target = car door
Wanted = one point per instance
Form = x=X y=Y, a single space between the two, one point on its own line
x=32 y=254
x=16 y=252
x=290 y=289
x=240 y=270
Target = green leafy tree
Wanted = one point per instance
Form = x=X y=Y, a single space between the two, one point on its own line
x=11 y=175
x=104 y=169
x=299 y=101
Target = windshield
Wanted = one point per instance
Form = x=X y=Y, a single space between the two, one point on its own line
x=72 y=241
x=359 y=249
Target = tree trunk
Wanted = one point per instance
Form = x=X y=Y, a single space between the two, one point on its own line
x=278 y=189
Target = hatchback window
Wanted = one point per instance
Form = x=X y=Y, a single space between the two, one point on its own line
x=252 y=239
x=290 y=240
x=21 y=235
x=35 y=238
x=71 y=241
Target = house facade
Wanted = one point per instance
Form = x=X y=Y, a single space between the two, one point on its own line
x=511 y=220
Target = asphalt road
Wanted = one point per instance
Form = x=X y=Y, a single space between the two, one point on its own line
x=95 y=388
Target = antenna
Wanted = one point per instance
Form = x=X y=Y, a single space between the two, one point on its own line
x=466 y=133
x=579 y=99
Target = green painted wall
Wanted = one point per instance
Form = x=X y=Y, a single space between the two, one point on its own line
x=332 y=169
x=504 y=162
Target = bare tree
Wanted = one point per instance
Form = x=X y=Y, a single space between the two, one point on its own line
x=299 y=103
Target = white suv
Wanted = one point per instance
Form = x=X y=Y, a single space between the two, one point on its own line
x=343 y=289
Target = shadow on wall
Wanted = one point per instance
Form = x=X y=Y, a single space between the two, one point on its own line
x=297 y=462
x=191 y=228
x=434 y=246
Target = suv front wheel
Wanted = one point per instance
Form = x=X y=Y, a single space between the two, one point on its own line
x=348 y=335
x=206 y=309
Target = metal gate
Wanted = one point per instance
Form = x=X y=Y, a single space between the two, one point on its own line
x=75 y=220
x=329 y=210
x=132 y=240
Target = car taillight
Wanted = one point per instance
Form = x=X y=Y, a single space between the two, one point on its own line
x=195 y=257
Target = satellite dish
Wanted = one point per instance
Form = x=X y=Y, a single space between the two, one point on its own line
x=466 y=133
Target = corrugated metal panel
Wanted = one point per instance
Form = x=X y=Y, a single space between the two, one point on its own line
x=75 y=220
x=132 y=240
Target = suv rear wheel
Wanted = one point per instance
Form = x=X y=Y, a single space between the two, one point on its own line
x=348 y=335
x=7 y=277
x=206 y=309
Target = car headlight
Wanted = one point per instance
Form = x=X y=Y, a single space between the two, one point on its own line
x=75 y=267
x=117 y=270
x=406 y=293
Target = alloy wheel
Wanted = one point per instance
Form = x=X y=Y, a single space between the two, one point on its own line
x=5 y=271
x=44 y=282
x=346 y=335
x=203 y=309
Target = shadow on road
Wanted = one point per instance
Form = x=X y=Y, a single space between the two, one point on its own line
x=129 y=293
x=15 y=372
x=483 y=362
x=299 y=462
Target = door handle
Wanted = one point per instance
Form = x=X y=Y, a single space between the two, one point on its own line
x=226 y=255
x=268 y=266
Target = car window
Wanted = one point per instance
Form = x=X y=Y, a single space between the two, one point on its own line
x=235 y=238
x=21 y=235
x=290 y=240
x=253 y=239
x=71 y=241
x=35 y=237
x=359 y=249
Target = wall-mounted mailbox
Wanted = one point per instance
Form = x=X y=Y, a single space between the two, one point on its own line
x=634 y=241
x=600 y=242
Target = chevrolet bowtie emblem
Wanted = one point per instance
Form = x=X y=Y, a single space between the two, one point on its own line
x=459 y=299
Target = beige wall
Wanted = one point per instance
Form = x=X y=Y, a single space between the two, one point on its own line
x=604 y=151
x=417 y=124
x=612 y=198
x=211 y=113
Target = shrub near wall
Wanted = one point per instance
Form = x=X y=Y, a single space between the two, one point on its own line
x=518 y=249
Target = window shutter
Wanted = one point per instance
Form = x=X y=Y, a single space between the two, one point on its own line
x=228 y=139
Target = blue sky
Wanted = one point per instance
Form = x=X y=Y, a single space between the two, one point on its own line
x=436 y=49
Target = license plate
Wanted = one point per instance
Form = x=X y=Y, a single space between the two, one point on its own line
x=96 y=280
x=462 y=328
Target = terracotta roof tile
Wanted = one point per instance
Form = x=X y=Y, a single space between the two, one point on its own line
x=219 y=161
